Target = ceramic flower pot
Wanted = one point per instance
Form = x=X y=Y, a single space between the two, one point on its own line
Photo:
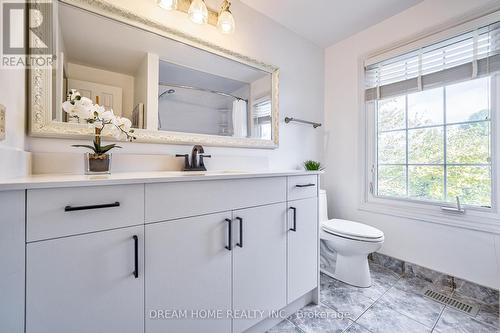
x=97 y=164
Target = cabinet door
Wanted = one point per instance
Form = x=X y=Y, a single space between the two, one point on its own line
x=188 y=273
x=259 y=262
x=86 y=283
x=302 y=247
x=12 y=248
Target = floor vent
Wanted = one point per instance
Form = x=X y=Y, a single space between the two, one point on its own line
x=471 y=310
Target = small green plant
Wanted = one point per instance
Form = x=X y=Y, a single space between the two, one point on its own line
x=313 y=165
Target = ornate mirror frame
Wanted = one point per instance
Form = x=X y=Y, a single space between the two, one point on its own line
x=40 y=88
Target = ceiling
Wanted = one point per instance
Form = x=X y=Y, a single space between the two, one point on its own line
x=326 y=22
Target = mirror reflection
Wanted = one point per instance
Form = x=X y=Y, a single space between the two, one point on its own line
x=156 y=82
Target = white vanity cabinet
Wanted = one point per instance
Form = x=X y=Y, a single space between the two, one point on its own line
x=233 y=261
x=194 y=266
x=12 y=246
x=197 y=255
x=302 y=257
x=86 y=283
x=303 y=264
x=188 y=269
x=84 y=259
x=259 y=262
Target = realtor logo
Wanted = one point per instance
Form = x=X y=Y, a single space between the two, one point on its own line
x=27 y=34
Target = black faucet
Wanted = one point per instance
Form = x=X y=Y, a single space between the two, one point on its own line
x=196 y=163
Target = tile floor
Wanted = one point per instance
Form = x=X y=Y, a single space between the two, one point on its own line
x=393 y=304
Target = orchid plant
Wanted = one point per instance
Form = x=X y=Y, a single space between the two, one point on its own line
x=104 y=122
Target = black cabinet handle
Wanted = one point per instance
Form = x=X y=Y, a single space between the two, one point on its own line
x=240 y=244
x=230 y=234
x=136 y=256
x=72 y=209
x=305 y=185
x=294 y=228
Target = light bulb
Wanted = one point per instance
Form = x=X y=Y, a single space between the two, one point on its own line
x=225 y=22
x=198 y=12
x=168 y=4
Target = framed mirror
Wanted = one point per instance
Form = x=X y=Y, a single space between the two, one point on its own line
x=174 y=88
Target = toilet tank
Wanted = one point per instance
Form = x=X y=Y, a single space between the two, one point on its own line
x=323 y=206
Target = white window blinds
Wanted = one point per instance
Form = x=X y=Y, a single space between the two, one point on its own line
x=469 y=55
x=262 y=110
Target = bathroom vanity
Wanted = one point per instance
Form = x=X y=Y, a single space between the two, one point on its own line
x=157 y=252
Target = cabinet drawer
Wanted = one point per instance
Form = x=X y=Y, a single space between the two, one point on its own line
x=67 y=211
x=167 y=201
x=301 y=187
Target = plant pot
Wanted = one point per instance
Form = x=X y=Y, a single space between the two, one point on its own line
x=97 y=164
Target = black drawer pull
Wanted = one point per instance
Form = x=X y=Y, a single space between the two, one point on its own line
x=72 y=209
x=240 y=244
x=136 y=256
x=294 y=228
x=230 y=234
x=305 y=185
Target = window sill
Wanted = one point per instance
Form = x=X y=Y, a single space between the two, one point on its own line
x=472 y=220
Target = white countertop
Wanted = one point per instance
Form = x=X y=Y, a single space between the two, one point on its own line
x=58 y=180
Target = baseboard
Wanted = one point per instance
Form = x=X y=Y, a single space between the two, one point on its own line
x=440 y=280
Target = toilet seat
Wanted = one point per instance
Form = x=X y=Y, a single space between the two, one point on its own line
x=352 y=230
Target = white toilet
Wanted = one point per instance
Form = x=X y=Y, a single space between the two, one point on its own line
x=352 y=241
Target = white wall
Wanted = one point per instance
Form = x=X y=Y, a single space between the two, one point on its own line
x=177 y=116
x=13 y=159
x=463 y=253
x=301 y=82
x=146 y=89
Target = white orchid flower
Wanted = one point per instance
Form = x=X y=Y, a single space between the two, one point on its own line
x=73 y=94
x=68 y=107
x=97 y=111
x=84 y=101
x=85 y=113
x=113 y=131
x=97 y=124
x=116 y=133
x=108 y=116
x=116 y=121
x=126 y=124
x=97 y=117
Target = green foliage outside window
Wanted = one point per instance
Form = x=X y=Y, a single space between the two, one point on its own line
x=435 y=161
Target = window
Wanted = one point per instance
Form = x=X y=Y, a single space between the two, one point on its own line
x=436 y=144
x=262 y=118
x=431 y=117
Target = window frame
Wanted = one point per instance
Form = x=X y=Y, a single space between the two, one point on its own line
x=475 y=217
x=268 y=122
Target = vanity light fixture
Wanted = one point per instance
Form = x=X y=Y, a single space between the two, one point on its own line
x=168 y=4
x=199 y=13
x=225 y=22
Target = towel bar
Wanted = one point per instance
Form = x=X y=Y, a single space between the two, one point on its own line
x=289 y=119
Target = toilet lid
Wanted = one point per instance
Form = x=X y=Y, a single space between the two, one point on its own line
x=350 y=228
